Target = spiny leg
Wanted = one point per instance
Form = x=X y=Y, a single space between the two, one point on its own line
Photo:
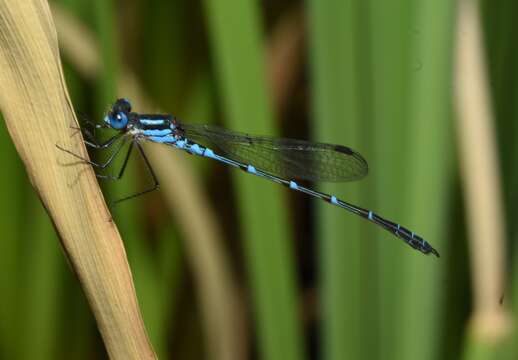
x=156 y=184
x=91 y=124
x=110 y=159
x=109 y=143
x=122 y=169
x=106 y=144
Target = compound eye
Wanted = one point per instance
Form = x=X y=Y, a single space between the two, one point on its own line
x=123 y=105
x=118 y=120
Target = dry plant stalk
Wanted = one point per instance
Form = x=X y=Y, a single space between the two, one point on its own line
x=480 y=177
x=38 y=114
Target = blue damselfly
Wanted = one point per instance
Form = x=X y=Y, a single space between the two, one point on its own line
x=283 y=161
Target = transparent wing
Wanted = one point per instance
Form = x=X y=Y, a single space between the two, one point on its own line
x=286 y=158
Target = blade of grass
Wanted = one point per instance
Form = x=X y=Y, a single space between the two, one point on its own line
x=366 y=123
x=235 y=39
x=38 y=114
x=429 y=173
x=105 y=25
x=391 y=38
x=500 y=31
x=333 y=55
x=170 y=39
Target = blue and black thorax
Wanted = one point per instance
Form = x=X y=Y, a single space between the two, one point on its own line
x=120 y=117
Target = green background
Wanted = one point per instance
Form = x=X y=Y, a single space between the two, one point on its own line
x=317 y=282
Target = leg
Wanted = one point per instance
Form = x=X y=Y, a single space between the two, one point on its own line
x=110 y=159
x=84 y=119
x=94 y=144
x=91 y=124
x=91 y=135
x=156 y=184
x=123 y=167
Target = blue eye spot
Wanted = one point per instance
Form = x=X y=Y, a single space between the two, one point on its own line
x=118 y=121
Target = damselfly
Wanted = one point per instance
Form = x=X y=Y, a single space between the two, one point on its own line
x=283 y=161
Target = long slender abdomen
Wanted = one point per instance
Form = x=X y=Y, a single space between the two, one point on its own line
x=403 y=233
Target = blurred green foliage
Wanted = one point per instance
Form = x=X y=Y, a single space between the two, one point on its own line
x=318 y=282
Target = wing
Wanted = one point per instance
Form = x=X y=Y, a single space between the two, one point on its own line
x=286 y=158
